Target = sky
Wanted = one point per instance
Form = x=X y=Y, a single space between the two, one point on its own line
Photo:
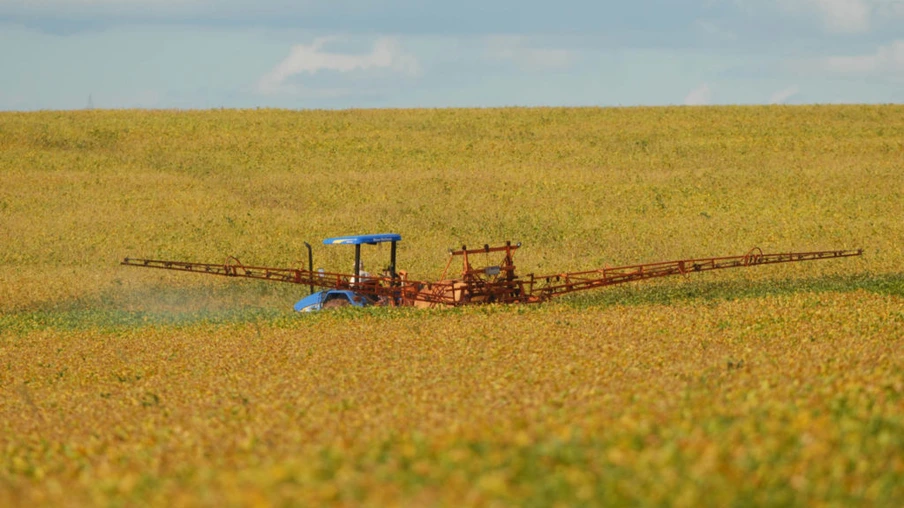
x=338 y=54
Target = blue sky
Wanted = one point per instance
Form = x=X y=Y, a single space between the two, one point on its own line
x=72 y=54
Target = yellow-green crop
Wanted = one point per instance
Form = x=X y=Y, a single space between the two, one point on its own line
x=775 y=385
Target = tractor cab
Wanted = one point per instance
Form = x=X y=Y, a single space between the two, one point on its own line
x=356 y=294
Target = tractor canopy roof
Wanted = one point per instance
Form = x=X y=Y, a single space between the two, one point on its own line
x=359 y=239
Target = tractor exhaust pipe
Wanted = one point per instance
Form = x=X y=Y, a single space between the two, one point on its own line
x=310 y=263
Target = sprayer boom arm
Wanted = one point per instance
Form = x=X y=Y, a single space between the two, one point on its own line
x=233 y=268
x=548 y=286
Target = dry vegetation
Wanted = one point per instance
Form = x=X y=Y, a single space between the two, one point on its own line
x=775 y=385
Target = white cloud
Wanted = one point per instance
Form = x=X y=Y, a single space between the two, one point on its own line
x=699 y=96
x=887 y=59
x=783 y=95
x=844 y=16
x=713 y=29
x=516 y=49
x=311 y=59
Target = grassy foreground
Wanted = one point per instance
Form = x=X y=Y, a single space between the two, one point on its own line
x=776 y=385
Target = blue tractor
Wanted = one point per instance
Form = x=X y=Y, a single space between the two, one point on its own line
x=343 y=297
